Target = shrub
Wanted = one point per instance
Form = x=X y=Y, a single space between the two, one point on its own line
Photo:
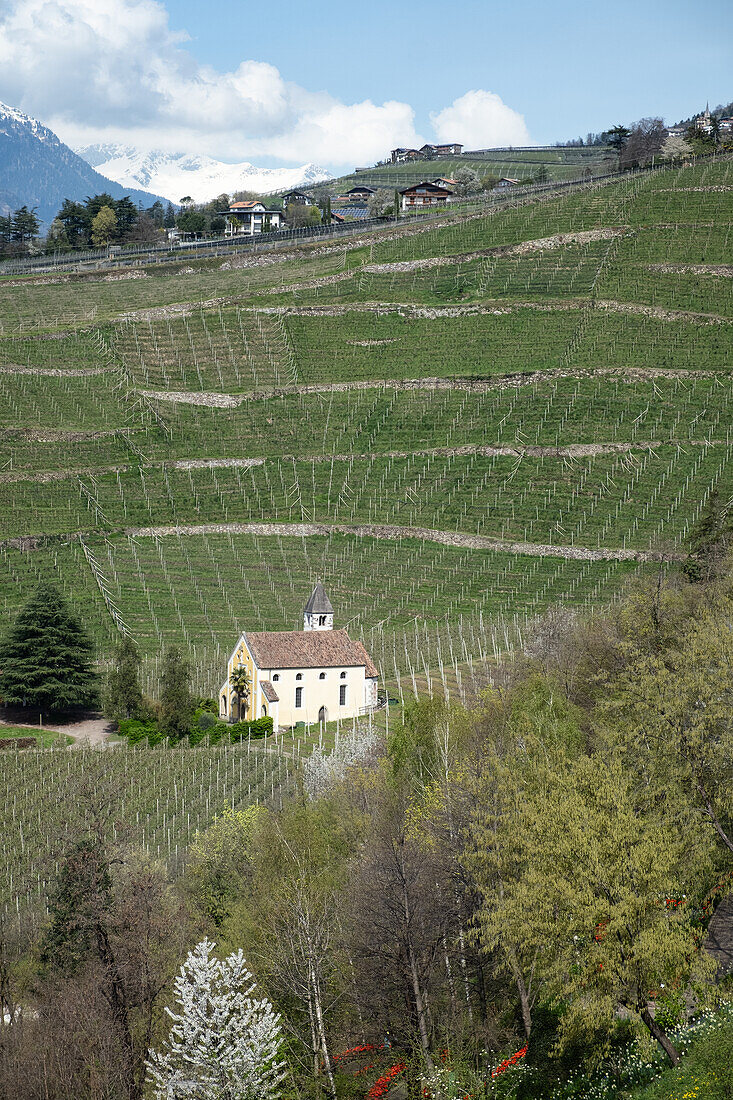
x=259 y=727
x=216 y=732
x=136 y=731
x=211 y=706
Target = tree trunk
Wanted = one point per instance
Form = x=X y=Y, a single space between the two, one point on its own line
x=464 y=971
x=521 y=985
x=713 y=817
x=118 y=1003
x=322 y=1033
x=661 y=1036
x=412 y=963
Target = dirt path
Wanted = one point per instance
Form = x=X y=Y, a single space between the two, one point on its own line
x=91 y=729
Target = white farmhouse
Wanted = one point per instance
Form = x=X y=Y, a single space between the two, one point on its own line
x=315 y=675
x=251 y=217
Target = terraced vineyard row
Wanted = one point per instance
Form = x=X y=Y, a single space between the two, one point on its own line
x=554 y=376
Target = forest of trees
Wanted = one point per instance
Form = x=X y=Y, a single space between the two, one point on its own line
x=525 y=881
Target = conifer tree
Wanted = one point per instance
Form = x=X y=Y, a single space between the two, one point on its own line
x=46 y=657
x=123 y=695
x=175 y=696
x=709 y=540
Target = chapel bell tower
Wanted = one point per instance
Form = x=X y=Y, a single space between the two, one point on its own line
x=318 y=613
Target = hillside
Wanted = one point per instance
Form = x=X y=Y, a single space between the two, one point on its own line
x=39 y=171
x=561 y=162
x=452 y=425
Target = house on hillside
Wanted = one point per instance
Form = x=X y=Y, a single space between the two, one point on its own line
x=297 y=198
x=352 y=212
x=506 y=182
x=359 y=195
x=428 y=151
x=402 y=156
x=442 y=181
x=251 y=217
x=423 y=194
x=316 y=674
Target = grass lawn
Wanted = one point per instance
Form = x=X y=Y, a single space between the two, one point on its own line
x=45 y=739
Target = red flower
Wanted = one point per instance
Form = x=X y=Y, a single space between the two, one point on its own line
x=381 y=1085
x=509 y=1062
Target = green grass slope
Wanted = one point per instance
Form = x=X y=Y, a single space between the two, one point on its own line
x=452 y=424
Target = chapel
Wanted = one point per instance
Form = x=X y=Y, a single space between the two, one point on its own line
x=317 y=674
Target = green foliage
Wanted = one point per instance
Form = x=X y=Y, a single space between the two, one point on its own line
x=137 y=731
x=123 y=697
x=176 y=701
x=709 y=540
x=81 y=897
x=614 y=859
x=243 y=731
x=706 y=1072
x=222 y=858
x=240 y=684
x=104 y=226
x=46 y=656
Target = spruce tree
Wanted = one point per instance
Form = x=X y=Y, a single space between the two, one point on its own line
x=709 y=540
x=46 y=657
x=175 y=696
x=123 y=695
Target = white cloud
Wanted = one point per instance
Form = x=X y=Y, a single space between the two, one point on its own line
x=480 y=120
x=114 y=71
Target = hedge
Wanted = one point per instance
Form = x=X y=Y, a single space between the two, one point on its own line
x=259 y=727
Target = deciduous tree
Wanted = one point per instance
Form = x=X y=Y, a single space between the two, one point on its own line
x=224 y=1041
x=104 y=226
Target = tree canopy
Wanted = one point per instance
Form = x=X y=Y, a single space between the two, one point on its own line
x=46 y=657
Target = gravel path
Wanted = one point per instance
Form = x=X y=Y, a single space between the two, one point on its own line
x=91 y=729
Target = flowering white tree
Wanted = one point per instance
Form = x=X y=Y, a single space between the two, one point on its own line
x=223 y=1043
x=321 y=770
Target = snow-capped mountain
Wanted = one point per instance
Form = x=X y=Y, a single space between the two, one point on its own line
x=37 y=170
x=176 y=175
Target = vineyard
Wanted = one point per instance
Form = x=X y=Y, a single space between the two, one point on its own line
x=452 y=424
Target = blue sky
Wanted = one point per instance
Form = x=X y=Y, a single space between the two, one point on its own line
x=341 y=83
x=568 y=67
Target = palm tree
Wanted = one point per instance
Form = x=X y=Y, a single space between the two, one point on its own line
x=240 y=684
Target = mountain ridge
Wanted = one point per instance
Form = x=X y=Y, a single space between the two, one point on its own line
x=198 y=175
x=39 y=171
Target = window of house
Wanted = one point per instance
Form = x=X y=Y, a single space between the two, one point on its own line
x=298 y=675
x=321 y=675
x=343 y=675
x=298 y=697
x=342 y=695
x=276 y=677
x=321 y=620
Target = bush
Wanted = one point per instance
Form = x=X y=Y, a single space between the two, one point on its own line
x=204 y=719
x=259 y=727
x=208 y=704
x=136 y=731
x=217 y=731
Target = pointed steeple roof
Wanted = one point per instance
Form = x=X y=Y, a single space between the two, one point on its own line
x=319 y=603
